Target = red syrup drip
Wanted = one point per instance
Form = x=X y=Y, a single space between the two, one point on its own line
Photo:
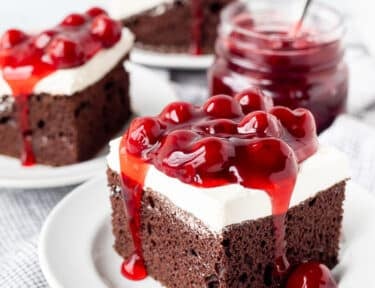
x=227 y=140
x=27 y=59
x=311 y=275
x=196 y=30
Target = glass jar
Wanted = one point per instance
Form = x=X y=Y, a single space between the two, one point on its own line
x=260 y=47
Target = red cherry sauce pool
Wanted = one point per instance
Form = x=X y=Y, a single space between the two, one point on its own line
x=26 y=59
x=227 y=140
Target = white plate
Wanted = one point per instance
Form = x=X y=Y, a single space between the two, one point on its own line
x=171 y=60
x=149 y=94
x=75 y=245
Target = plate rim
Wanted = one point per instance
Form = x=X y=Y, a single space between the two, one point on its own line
x=176 y=61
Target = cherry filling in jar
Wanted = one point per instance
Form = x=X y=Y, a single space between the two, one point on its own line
x=259 y=47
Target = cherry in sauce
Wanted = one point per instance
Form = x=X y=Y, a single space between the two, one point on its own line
x=305 y=71
x=311 y=275
x=228 y=140
x=26 y=59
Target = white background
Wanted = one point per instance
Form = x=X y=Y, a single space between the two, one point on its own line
x=39 y=14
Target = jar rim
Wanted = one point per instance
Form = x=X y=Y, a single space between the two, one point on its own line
x=334 y=33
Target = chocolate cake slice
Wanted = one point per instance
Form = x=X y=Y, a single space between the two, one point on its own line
x=226 y=195
x=76 y=97
x=179 y=26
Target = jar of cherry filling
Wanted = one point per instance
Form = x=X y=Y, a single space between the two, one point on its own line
x=260 y=47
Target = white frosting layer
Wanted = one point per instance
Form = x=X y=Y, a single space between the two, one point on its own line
x=69 y=81
x=121 y=9
x=225 y=205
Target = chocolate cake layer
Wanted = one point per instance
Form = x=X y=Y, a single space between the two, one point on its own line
x=168 y=27
x=180 y=251
x=66 y=129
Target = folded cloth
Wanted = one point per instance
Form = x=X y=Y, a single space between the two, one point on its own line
x=22 y=213
x=357 y=140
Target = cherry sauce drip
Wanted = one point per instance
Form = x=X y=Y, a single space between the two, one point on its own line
x=227 y=140
x=27 y=59
x=197 y=25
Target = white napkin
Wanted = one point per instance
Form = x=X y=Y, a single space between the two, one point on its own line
x=357 y=140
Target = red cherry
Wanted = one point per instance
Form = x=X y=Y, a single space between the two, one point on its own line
x=219 y=127
x=260 y=123
x=96 y=11
x=106 y=30
x=311 y=275
x=143 y=134
x=43 y=39
x=268 y=162
x=12 y=38
x=210 y=155
x=252 y=100
x=178 y=112
x=222 y=106
x=65 y=53
x=74 y=20
x=301 y=130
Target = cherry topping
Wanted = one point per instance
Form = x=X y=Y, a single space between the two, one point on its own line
x=43 y=39
x=210 y=155
x=252 y=100
x=214 y=145
x=65 y=53
x=300 y=125
x=106 y=30
x=74 y=20
x=219 y=127
x=96 y=11
x=12 y=38
x=260 y=123
x=143 y=134
x=177 y=112
x=311 y=275
x=222 y=106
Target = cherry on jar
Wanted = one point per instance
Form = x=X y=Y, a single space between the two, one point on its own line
x=258 y=47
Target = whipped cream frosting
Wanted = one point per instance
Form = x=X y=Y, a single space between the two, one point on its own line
x=225 y=205
x=65 y=82
x=121 y=9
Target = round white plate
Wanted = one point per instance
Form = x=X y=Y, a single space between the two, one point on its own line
x=171 y=60
x=149 y=94
x=75 y=247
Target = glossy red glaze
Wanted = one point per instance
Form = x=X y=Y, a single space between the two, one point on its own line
x=74 y=20
x=311 y=275
x=96 y=11
x=304 y=71
x=217 y=144
x=27 y=59
x=106 y=30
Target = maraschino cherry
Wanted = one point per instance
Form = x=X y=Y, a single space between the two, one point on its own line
x=311 y=275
